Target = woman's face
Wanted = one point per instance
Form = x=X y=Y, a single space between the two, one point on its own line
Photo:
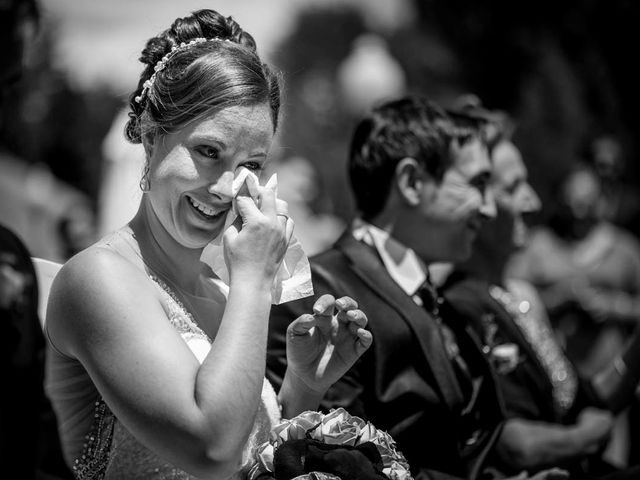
x=189 y=170
x=514 y=197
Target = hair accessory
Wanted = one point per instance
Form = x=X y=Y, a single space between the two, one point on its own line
x=164 y=60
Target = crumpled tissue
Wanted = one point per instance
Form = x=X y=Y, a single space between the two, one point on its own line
x=293 y=278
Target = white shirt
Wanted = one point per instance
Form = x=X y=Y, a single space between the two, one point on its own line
x=402 y=263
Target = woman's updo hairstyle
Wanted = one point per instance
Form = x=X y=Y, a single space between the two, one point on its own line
x=223 y=71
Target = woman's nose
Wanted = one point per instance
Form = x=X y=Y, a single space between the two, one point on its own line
x=222 y=187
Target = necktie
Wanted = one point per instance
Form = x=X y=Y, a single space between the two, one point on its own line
x=432 y=302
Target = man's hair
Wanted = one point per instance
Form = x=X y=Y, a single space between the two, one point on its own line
x=499 y=125
x=412 y=127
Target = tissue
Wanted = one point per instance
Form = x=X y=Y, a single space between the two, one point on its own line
x=293 y=278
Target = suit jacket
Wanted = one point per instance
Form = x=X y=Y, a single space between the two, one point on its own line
x=405 y=383
x=527 y=390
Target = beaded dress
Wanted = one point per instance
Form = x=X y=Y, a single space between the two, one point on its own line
x=96 y=444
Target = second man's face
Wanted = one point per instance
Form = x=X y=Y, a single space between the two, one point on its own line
x=454 y=209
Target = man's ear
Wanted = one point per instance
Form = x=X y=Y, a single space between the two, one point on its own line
x=410 y=178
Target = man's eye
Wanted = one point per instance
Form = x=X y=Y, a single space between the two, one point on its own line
x=513 y=187
x=481 y=184
x=209 y=152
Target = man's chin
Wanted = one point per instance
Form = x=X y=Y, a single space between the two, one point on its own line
x=460 y=254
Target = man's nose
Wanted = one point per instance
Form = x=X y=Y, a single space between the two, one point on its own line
x=488 y=207
x=530 y=201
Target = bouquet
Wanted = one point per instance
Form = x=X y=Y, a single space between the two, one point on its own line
x=335 y=446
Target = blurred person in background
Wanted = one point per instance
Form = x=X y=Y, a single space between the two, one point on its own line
x=316 y=232
x=587 y=271
x=157 y=367
x=619 y=200
x=45 y=212
x=419 y=177
x=554 y=416
x=29 y=445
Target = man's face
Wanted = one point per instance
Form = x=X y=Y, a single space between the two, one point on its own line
x=452 y=211
x=515 y=198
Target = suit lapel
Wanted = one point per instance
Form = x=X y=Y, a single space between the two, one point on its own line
x=534 y=367
x=367 y=265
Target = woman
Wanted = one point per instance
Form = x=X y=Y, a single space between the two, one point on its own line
x=132 y=397
x=554 y=417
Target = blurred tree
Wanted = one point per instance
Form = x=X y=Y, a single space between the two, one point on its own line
x=317 y=124
x=562 y=68
x=45 y=120
x=50 y=141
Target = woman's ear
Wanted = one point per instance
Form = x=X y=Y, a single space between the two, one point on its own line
x=410 y=178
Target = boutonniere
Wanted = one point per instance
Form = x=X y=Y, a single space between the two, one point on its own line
x=504 y=357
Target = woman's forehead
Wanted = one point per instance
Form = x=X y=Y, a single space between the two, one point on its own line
x=234 y=124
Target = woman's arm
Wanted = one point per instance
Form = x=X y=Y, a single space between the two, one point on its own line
x=107 y=314
x=525 y=444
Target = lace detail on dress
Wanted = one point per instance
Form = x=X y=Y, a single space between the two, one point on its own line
x=179 y=316
x=94 y=460
x=541 y=338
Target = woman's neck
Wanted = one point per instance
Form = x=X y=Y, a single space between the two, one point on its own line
x=162 y=253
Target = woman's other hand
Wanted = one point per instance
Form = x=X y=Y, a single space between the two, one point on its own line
x=321 y=347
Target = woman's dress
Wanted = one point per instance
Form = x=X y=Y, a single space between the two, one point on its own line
x=95 y=443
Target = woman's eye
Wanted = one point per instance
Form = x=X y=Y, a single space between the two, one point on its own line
x=253 y=166
x=209 y=152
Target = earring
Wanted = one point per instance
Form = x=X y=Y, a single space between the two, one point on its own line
x=145 y=184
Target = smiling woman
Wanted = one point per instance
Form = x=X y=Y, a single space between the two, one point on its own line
x=186 y=170
x=156 y=369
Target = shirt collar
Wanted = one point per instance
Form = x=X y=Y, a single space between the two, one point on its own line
x=402 y=263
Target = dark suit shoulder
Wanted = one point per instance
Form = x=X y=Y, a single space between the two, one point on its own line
x=468 y=297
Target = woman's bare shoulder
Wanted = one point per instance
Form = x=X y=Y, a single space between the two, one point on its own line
x=96 y=268
x=92 y=290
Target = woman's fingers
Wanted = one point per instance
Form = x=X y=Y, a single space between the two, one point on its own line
x=355 y=318
x=267 y=199
x=346 y=303
x=302 y=325
x=324 y=306
x=365 y=339
x=247 y=209
x=288 y=228
x=282 y=212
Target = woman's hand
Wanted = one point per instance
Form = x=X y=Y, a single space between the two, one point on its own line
x=255 y=244
x=322 y=346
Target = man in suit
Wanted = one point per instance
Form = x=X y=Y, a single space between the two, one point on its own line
x=419 y=177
